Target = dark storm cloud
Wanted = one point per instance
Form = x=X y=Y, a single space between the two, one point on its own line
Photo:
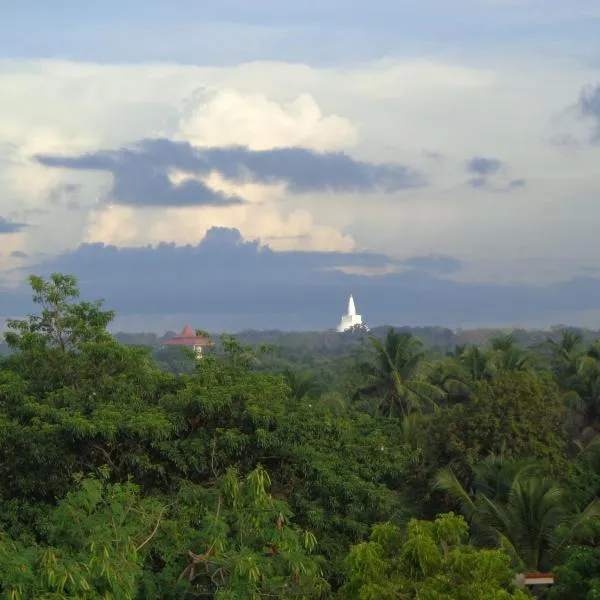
x=304 y=170
x=141 y=173
x=8 y=226
x=434 y=264
x=589 y=106
x=228 y=283
x=140 y=176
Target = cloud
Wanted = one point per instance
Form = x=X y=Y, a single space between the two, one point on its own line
x=482 y=170
x=141 y=174
x=440 y=265
x=378 y=113
x=589 y=106
x=18 y=254
x=141 y=178
x=491 y=174
x=65 y=195
x=8 y=226
x=226 y=282
x=484 y=167
x=516 y=184
x=230 y=118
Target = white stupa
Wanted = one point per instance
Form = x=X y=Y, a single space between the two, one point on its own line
x=351 y=319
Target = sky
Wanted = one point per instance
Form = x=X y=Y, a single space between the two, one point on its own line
x=245 y=165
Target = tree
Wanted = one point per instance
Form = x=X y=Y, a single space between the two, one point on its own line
x=432 y=562
x=512 y=504
x=91 y=546
x=72 y=398
x=578 y=578
x=517 y=413
x=393 y=376
x=62 y=323
x=238 y=541
x=47 y=341
x=506 y=356
x=340 y=474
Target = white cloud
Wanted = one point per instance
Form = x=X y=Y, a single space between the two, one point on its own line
x=230 y=118
x=388 y=110
x=262 y=218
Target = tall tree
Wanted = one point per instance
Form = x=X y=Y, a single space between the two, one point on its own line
x=394 y=378
x=518 y=412
x=431 y=562
x=514 y=505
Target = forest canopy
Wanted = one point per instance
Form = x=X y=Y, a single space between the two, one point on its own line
x=367 y=467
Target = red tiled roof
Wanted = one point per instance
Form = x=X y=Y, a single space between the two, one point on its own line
x=187 y=332
x=187 y=337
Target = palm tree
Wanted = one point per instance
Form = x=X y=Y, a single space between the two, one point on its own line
x=565 y=358
x=394 y=376
x=507 y=356
x=514 y=505
x=477 y=363
x=577 y=372
x=449 y=376
x=457 y=374
x=301 y=384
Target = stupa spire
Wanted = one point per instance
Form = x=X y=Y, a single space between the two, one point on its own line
x=351 y=318
x=351 y=307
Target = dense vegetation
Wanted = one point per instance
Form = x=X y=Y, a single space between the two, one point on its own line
x=372 y=468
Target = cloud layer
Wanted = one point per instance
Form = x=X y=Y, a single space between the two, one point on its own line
x=589 y=105
x=225 y=282
x=141 y=174
x=491 y=174
x=8 y=226
x=424 y=182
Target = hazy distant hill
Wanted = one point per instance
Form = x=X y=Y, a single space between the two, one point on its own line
x=332 y=342
x=329 y=343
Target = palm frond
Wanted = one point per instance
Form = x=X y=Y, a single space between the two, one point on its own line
x=447 y=481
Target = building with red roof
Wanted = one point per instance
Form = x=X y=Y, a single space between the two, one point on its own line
x=188 y=339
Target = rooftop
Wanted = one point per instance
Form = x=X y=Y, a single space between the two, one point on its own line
x=187 y=337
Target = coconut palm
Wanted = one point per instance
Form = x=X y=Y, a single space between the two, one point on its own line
x=395 y=378
x=514 y=505
x=449 y=376
x=577 y=372
x=477 y=363
x=507 y=356
x=301 y=384
x=457 y=374
x=565 y=358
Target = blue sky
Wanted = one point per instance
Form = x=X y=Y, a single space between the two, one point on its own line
x=233 y=31
x=356 y=144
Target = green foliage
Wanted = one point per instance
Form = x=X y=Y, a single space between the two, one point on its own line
x=394 y=377
x=251 y=472
x=579 y=577
x=516 y=413
x=245 y=545
x=430 y=562
x=61 y=324
x=91 y=546
x=516 y=506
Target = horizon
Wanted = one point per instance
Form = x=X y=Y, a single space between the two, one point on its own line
x=246 y=165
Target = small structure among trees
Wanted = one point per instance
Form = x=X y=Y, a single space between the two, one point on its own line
x=189 y=338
